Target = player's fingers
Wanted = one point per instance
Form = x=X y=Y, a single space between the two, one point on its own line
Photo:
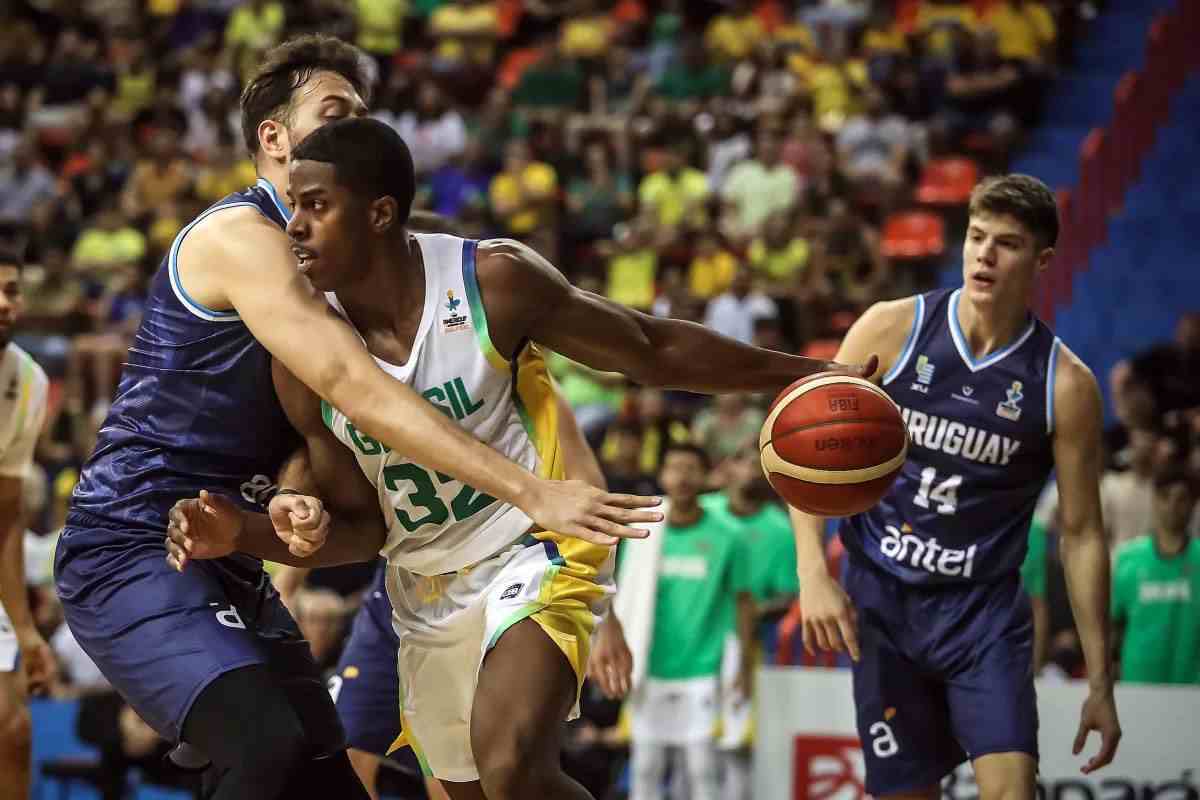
x=820 y=637
x=587 y=531
x=834 y=634
x=1108 y=750
x=602 y=524
x=632 y=501
x=1080 y=738
x=872 y=364
x=807 y=636
x=627 y=516
x=177 y=536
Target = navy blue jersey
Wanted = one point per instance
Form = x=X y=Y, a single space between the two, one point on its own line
x=980 y=453
x=195 y=409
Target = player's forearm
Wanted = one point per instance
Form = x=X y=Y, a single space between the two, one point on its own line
x=1086 y=566
x=810 y=547
x=692 y=357
x=13 y=594
x=350 y=541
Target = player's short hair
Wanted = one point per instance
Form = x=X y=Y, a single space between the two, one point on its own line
x=688 y=447
x=368 y=156
x=1022 y=197
x=12 y=256
x=288 y=66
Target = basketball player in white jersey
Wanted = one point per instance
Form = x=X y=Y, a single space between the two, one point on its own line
x=22 y=410
x=494 y=614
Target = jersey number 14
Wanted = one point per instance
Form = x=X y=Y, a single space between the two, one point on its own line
x=945 y=494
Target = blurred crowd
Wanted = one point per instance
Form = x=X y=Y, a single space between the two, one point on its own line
x=734 y=163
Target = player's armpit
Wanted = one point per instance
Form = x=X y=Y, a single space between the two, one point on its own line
x=527 y=298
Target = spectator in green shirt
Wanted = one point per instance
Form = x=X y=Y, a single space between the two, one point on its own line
x=1156 y=591
x=1033 y=577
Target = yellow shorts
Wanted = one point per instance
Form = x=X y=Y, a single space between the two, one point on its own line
x=447 y=623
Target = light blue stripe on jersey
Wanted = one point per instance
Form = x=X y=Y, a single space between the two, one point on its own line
x=909 y=344
x=1051 y=370
x=197 y=309
x=269 y=188
x=960 y=340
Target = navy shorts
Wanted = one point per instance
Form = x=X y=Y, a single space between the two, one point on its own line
x=160 y=636
x=366 y=685
x=946 y=675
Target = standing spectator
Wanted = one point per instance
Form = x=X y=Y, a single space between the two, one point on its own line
x=735 y=312
x=762 y=185
x=1170 y=372
x=701 y=595
x=1127 y=496
x=1156 y=591
x=24 y=184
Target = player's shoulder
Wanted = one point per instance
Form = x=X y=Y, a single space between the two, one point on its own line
x=26 y=369
x=1075 y=385
x=891 y=318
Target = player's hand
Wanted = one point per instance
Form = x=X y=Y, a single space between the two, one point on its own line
x=611 y=663
x=300 y=521
x=580 y=510
x=202 y=527
x=864 y=370
x=37 y=661
x=1099 y=714
x=829 y=619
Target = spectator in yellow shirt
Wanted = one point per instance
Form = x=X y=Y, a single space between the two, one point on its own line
x=676 y=193
x=1026 y=30
x=712 y=268
x=936 y=21
x=465 y=32
x=253 y=28
x=380 y=29
x=109 y=245
x=524 y=196
x=632 y=263
x=734 y=35
x=777 y=255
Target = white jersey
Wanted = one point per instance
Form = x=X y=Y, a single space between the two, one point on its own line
x=437 y=524
x=23 y=390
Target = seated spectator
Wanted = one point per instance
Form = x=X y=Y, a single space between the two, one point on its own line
x=161 y=176
x=253 y=27
x=692 y=77
x=111 y=245
x=777 y=256
x=524 y=194
x=762 y=185
x=552 y=82
x=727 y=141
x=227 y=170
x=434 y=131
x=70 y=84
x=939 y=22
x=982 y=94
x=24 y=184
x=876 y=144
x=632 y=263
x=1170 y=372
x=763 y=83
x=725 y=428
x=587 y=33
x=1156 y=591
x=735 y=312
x=465 y=32
x=95 y=178
x=598 y=199
x=380 y=30
x=1127 y=496
x=460 y=184
x=621 y=460
x=848 y=258
x=619 y=89
x=676 y=193
x=733 y=35
x=712 y=268
x=1026 y=31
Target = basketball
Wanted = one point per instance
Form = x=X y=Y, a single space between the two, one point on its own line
x=832 y=444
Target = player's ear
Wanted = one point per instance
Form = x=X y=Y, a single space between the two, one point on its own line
x=1044 y=258
x=383 y=213
x=273 y=139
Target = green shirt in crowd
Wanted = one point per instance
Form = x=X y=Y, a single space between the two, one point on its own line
x=701 y=571
x=1157 y=600
x=770 y=546
x=1033 y=569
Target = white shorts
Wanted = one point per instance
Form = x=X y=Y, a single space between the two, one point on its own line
x=676 y=712
x=447 y=623
x=8 y=644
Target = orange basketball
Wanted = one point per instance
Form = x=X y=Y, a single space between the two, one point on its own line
x=832 y=444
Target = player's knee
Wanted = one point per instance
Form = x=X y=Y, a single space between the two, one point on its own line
x=16 y=732
x=513 y=768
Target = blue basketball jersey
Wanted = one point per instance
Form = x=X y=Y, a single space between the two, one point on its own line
x=980 y=452
x=195 y=409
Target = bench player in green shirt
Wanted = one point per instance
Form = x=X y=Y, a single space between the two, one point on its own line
x=1156 y=591
x=702 y=595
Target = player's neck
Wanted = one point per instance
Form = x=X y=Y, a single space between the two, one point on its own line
x=274 y=173
x=1170 y=543
x=684 y=513
x=992 y=327
x=393 y=287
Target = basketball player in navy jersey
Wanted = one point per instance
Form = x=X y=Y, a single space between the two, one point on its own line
x=211 y=657
x=933 y=613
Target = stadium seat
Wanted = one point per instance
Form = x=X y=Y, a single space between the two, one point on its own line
x=914 y=235
x=947 y=181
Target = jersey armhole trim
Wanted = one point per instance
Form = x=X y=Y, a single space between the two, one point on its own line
x=195 y=308
x=478 y=314
x=327 y=414
x=910 y=343
x=1051 y=371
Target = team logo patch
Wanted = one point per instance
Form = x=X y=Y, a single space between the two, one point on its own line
x=454 y=321
x=965 y=395
x=1010 y=409
x=924 y=374
x=512 y=591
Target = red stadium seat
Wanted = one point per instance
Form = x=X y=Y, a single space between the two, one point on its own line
x=947 y=182
x=913 y=235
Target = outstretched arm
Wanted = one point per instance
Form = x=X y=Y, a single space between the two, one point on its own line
x=1084 y=547
x=527 y=298
x=246 y=264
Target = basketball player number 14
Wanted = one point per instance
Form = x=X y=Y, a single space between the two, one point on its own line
x=945 y=494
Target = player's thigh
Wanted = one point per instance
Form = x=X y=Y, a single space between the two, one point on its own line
x=160 y=637
x=1006 y=776
x=366 y=767
x=471 y=790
